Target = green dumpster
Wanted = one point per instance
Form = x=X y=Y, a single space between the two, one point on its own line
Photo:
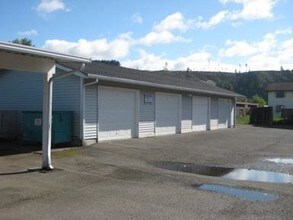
x=62 y=123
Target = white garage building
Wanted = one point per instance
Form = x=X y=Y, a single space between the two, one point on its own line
x=111 y=102
x=122 y=103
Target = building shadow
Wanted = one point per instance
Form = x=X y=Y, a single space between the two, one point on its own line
x=286 y=127
x=21 y=172
x=11 y=147
x=31 y=170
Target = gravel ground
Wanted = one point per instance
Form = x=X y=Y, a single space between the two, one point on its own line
x=117 y=180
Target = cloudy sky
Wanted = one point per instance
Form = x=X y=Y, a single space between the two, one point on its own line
x=213 y=35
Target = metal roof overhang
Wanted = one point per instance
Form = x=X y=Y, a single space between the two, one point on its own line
x=32 y=51
x=24 y=58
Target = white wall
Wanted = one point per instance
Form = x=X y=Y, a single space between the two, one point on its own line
x=148 y=103
x=273 y=101
x=146 y=126
x=90 y=122
x=67 y=97
x=21 y=90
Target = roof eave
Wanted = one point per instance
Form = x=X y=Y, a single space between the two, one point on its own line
x=276 y=90
x=21 y=49
x=157 y=85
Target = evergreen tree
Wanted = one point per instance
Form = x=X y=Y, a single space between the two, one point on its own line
x=24 y=41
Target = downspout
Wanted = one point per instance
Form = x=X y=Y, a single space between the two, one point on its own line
x=235 y=113
x=46 y=151
x=62 y=76
x=92 y=83
x=209 y=114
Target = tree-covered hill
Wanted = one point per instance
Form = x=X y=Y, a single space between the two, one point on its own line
x=248 y=83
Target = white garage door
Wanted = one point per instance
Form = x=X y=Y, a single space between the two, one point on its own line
x=116 y=113
x=167 y=113
x=200 y=113
x=224 y=113
x=214 y=114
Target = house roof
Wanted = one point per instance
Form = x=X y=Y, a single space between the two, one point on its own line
x=33 y=51
x=285 y=86
x=160 y=79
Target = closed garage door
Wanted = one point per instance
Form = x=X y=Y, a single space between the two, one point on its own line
x=186 y=114
x=214 y=114
x=167 y=113
x=200 y=113
x=224 y=113
x=116 y=113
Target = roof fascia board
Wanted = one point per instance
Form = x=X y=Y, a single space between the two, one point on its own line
x=276 y=90
x=16 y=48
x=136 y=82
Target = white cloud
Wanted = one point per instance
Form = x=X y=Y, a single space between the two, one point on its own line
x=28 y=33
x=193 y=61
x=119 y=47
x=287 y=48
x=245 y=49
x=49 y=6
x=164 y=37
x=146 y=62
x=198 y=61
x=263 y=62
x=162 y=32
x=285 y=54
x=269 y=53
x=268 y=44
x=284 y=31
x=136 y=19
x=251 y=10
x=96 y=49
x=238 y=48
x=215 y=20
x=175 y=21
x=272 y=51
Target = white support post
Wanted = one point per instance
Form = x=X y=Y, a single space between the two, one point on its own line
x=234 y=115
x=209 y=114
x=47 y=120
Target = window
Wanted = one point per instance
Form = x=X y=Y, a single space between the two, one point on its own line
x=279 y=108
x=148 y=99
x=280 y=94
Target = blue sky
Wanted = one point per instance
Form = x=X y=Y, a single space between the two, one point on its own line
x=213 y=35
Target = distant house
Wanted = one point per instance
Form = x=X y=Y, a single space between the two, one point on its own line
x=280 y=95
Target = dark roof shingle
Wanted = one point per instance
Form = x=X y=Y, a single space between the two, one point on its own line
x=156 y=77
x=285 y=86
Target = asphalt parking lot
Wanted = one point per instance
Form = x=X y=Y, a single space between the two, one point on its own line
x=118 y=180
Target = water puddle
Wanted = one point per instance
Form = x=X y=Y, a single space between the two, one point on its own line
x=194 y=168
x=241 y=193
x=259 y=176
x=281 y=160
x=229 y=173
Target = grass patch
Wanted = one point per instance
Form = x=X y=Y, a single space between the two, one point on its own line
x=242 y=120
x=73 y=152
x=278 y=120
x=282 y=121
